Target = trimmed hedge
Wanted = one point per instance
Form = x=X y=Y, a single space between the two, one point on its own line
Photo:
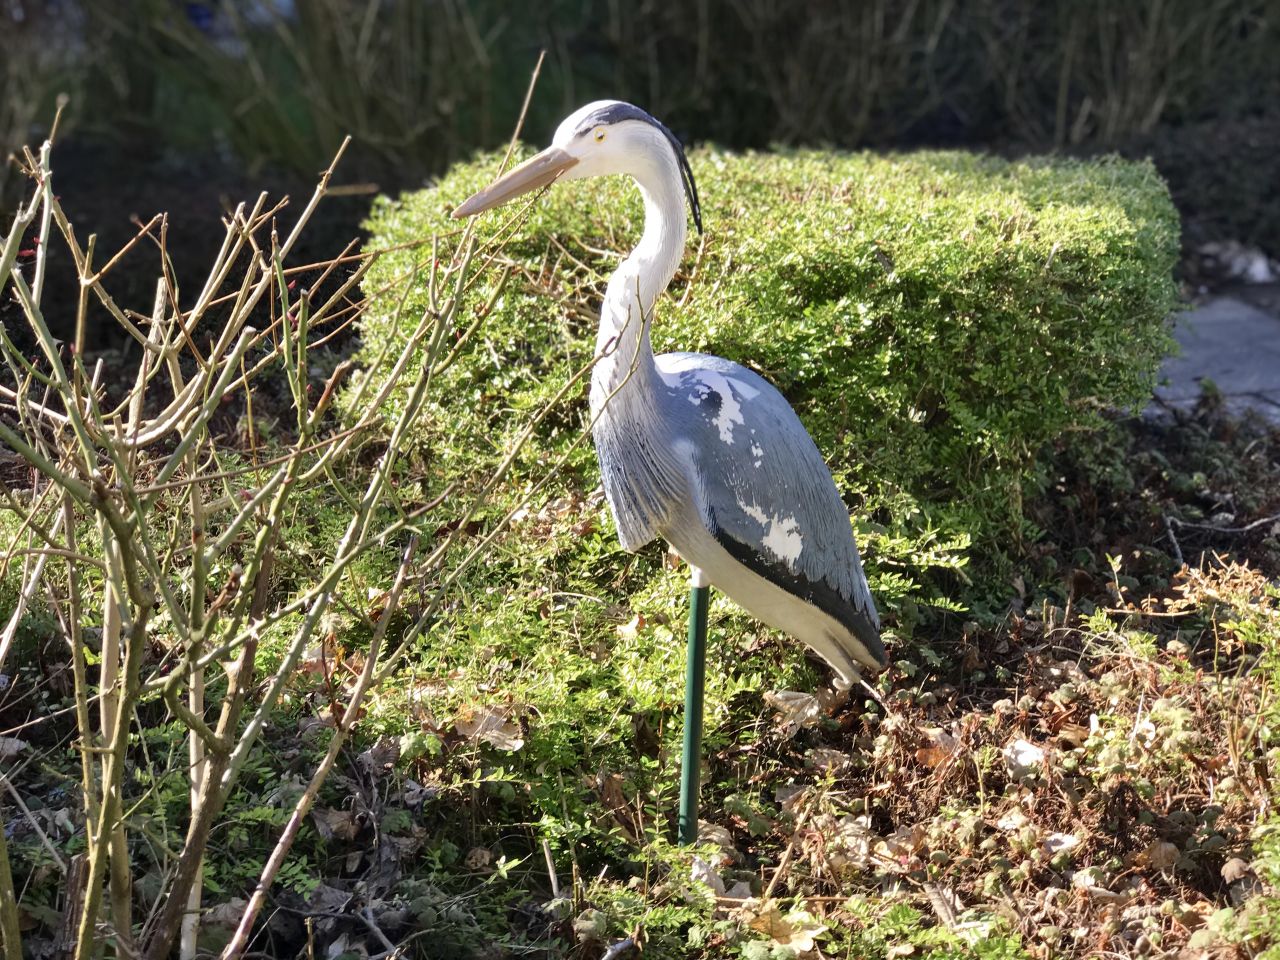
x=936 y=318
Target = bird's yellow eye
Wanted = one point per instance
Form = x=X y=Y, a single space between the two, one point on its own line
x=599 y=134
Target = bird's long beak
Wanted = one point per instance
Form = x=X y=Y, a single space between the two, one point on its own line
x=536 y=172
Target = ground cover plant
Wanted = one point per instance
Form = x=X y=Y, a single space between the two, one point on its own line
x=1073 y=753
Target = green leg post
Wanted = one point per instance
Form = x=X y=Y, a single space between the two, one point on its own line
x=694 y=681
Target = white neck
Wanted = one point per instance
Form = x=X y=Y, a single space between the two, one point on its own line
x=623 y=339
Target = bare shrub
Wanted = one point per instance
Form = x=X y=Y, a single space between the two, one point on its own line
x=146 y=522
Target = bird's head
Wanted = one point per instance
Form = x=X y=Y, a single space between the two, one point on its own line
x=604 y=137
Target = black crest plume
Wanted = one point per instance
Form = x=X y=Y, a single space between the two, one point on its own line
x=617 y=112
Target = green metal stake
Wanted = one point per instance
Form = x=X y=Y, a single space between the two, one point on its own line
x=694 y=681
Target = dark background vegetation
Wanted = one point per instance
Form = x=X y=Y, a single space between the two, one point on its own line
x=190 y=107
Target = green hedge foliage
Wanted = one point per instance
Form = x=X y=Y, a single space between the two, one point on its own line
x=936 y=318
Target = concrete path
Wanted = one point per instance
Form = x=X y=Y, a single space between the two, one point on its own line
x=1234 y=343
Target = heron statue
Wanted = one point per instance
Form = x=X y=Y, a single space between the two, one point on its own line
x=696 y=449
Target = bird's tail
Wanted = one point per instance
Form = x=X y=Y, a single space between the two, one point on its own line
x=854 y=650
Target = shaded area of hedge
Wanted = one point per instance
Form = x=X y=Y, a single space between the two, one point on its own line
x=936 y=318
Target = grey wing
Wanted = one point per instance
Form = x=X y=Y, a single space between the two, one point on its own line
x=765 y=488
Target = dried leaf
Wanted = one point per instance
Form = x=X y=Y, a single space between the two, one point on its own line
x=491 y=726
x=1023 y=758
x=939 y=746
x=702 y=872
x=320 y=659
x=766 y=918
x=614 y=799
x=630 y=629
x=717 y=834
x=946 y=904
x=1015 y=819
x=11 y=746
x=1073 y=733
x=900 y=847
x=334 y=824
x=345 y=945
x=1066 y=670
x=790 y=797
x=796 y=930
x=225 y=914
x=380 y=759
x=832 y=698
x=1160 y=855
x=1058 y=842
x=845 y=843
x=377 y=600
x=1235 y=870
x=591 y=926
x=478 y=858
x=61 y=820
x=796 y=710
x=826 y=760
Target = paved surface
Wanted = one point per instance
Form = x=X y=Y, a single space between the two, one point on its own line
x=1233 y=340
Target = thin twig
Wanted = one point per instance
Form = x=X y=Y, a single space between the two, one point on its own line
x=35 y=825
x=788 y=853
x=1247 y=528
x=524 y=110
x=302 y=807
x=551 y=869
x=1173 y=540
